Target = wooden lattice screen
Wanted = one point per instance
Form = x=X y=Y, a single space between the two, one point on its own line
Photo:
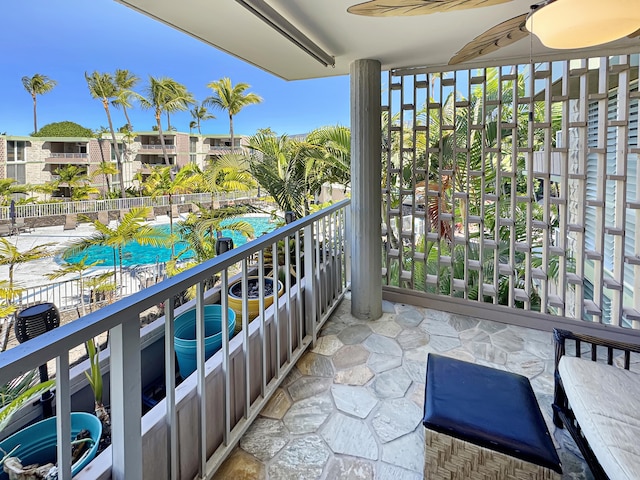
x=516 y=189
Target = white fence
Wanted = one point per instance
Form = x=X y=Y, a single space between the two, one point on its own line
x=33 y=210
x=68 y=295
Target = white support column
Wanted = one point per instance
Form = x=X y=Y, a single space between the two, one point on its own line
x=366 y=196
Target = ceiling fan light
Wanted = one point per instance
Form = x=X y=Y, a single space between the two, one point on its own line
x=567 y=24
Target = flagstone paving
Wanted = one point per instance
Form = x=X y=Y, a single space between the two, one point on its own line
x=352 y=407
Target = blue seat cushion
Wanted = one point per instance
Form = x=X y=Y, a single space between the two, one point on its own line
x=487 y=407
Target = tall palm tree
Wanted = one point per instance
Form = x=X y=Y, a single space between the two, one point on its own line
x=125 y=81
x=105 y=169
x=200 y=113
x=230 y=98
x=162 y=182
x=11 y=256
x=37 y=85
x=132 y=228
x=103 y=87
x=165 y=95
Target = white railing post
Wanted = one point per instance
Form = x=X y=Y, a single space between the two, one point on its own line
x=310 y=282
x=126 y=405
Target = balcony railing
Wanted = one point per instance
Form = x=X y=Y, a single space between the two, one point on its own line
x=156 y=147
x=68 y=155
x=198 y=423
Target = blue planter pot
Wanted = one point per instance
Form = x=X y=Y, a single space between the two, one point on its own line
x=38 y=441
x=185 y=335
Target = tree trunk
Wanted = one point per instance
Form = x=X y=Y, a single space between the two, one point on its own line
x=231 y=131
x=168 y=121
x=114 y=143
x=171 y=224
x=126 y=115
x=35 y=115
x=164 y=147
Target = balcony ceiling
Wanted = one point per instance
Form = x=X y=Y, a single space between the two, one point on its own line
x=397 y=41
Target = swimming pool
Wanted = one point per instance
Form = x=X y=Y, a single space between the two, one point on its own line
x=136 y=254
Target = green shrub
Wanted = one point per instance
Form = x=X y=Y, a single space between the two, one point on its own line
x=63 y=129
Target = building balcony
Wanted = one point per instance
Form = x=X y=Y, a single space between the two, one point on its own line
x=303 y=380
x=68 y=158
x=355 y=401
x=144 y=148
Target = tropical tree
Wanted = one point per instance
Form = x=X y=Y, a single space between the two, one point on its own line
x=106 y=169
x=45 y=188
x=37 y=85
x=334 y=152
x=165 y=95
x=74 y=268
x=132 y=228
x=228 y=173
x=8 y=187
x=289 y=170
x=198 y=231
x=11 y=256
x=72 y=176
x=230 y=98
x=162 y=182
x=199 y=113
x=103 y=87
x=125 y=82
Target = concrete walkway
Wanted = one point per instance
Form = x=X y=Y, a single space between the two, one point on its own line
x=352 y=408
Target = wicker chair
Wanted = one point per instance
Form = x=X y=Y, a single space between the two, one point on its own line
x=616 y=354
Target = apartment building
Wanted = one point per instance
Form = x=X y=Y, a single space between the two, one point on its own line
x=35 y=160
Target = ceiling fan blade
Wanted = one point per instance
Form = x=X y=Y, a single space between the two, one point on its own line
x=634 y=34
x=396 y=8
x=496 y=37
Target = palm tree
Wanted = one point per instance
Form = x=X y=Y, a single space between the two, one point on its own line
x=162 y=182
x=37 y=85
x=230 y=98
x=74 y=268
x=103 y=87
x=285 y=170
x=165 y=95
x=71 y=175
x=334 y=148
x=125 y=81
x=198 y=232
x=132 y=228
x=106 y=169
x=8 y=186
x=228 y=173
x=200 y=113
x=11 y=256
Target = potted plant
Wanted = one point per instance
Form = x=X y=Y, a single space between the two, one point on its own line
x=35 y=445
x=185 y=335
x=253 y=293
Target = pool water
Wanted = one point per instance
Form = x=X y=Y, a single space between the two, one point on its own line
x=136 y=254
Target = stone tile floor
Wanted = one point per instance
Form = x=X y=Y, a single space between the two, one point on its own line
x=352 y=407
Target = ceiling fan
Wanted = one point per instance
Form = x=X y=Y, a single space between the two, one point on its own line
x=514 y=29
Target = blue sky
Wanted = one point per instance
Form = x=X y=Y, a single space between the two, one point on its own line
x=64 y=38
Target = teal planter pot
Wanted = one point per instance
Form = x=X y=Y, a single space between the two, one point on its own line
x=185 y=335
x=38 y=441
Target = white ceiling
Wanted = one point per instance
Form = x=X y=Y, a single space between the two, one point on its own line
x=425 y=40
